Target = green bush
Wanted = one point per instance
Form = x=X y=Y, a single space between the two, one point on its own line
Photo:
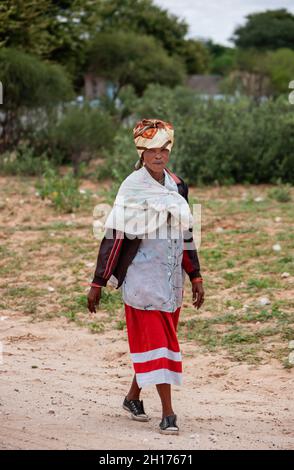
x=62 y=191
x=281 y=194
x=23 y=161
x=231 y=140
x=119 y=163
x=83 y=132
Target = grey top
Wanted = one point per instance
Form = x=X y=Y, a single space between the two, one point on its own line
x=155 y=278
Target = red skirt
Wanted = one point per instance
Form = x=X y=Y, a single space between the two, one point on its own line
x=154 y=345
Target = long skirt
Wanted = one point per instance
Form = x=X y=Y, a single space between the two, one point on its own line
x=154 y=346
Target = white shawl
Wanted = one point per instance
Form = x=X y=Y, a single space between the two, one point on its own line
x=142 y=206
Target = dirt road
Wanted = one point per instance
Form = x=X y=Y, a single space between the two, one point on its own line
x=62 y=388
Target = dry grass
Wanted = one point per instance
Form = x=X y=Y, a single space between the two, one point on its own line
x=45 y=258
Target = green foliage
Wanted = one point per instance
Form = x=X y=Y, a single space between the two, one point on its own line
x=271 y=71
x=271 y=29
x=22 y=161
x=55 y=31
x=196 y=56
x=222 y=141
x=62 y=191
x=222 y=58
x=129 y=58
x=119 y=163
x=28 y=82
x=82 y=132
x=281 y=193
x=25 y=25
x=225 y=62
x=30 y=88
x=144 y=17
x=280 y=69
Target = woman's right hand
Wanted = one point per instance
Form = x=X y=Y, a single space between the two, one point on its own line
x=94 y=296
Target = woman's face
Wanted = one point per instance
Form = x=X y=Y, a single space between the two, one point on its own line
x=156 y=158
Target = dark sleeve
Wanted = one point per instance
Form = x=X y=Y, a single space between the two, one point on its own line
x=190 y=261
x=107 y=256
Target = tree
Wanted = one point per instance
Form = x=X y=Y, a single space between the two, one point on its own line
x=222 y=58
x=54 y=30
x=195 y=55
x=144 y=17
x=272 y=29
x=28 y=84
x=280 y=68
x=250 y=74
x=24 y=25
x=129 y=58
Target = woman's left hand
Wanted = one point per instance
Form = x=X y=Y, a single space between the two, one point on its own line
x=197 y=294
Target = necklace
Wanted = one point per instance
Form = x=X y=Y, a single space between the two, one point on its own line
x=161 y=181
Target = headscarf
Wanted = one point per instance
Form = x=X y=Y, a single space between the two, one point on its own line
x=149 y=133
x=142 y=204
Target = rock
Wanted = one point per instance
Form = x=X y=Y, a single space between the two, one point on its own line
x=276 y=247
x=291 y=344
x=264 y=301
x=90 y=265
x=258 y=199
x=278 y=219
x=219 y=229
x=284 y=275
x=50 y=289
x=291 y=358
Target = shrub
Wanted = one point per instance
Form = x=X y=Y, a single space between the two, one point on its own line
x=281 y=193
x=83 y=132
x=62 y=191
x=23 y=161
x=230 y=140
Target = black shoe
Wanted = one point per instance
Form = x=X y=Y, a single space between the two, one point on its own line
x=136 y=408
x=168 y=425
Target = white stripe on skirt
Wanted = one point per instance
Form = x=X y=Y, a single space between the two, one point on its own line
x=159 y=376
x=156 y=354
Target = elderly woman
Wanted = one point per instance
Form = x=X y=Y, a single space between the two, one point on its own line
x=146 y=251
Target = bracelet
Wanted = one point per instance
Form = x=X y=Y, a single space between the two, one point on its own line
x=94 y=285
x=197 y=279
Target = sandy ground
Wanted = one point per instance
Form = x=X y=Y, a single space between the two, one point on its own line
x=62 y=388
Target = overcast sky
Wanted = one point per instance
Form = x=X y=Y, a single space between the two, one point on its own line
x=217 y=19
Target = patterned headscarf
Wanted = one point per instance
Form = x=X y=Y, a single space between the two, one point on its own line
x=149 y=133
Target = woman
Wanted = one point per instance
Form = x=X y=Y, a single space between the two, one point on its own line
x=146 y=251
